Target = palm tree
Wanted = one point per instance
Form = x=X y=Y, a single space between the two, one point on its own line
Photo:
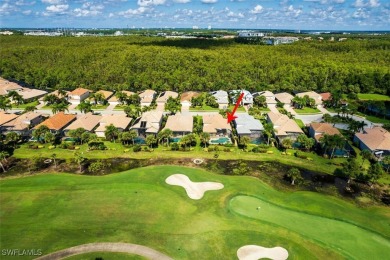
x=268 y=131
x=132 y=135
x=204 y=138
x=3 y=156
x=54 y=157
x=16 y=97
x=29 y=109
x=111 y=133
x=366 y=155
x=98 y=98
x=50 y=99
x=59 y=107
x=49 y=137
x=287 y=143
x=332 y=142
x=13 y=138
x=122 y=97
x=362 y=124
x=150 y=140
x=79 y=160
x=85 y=107
x=40 y=132
x=293 y=174
x=244 y=141
x=62 y=93
x=5 y=103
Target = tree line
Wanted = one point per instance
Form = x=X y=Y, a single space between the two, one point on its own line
x=137 y=63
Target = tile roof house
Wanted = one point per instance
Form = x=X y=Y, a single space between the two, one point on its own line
x=326 y=96
x=186 y=97
x=120 y=121
x=106 y=94
x=162 y=99
x=246 y=100
x=5 y=118
x=23 y=124
x=269 y=96
x=376 y=140
x=148 y=124
x=78 y=95
x=284 y=98
x=58 y=122
x=114 y=100
x=216 y=126
x=284 y=127
x=147 y=97
x=180 y=124
x=222 y=98
x=28 y=94
x=311 y=94
x=247 y=125
x=318 y=130
x=87 y=121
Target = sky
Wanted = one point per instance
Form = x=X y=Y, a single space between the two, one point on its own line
x=250 y=14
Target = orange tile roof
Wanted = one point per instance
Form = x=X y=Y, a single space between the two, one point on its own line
x=324 y=128
x=58 y=121
x=106 y=94
x=213 y=122
x=78 y=92
x=326 y=96
x=6 y=117
x=376 y=138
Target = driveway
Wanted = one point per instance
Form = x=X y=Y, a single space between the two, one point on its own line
x=144 y=251
x=290 y=109
x=322 y=109
x=273 y=108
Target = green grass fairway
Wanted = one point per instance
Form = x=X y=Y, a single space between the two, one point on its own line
x=56 y=211
x=338 y=235
x=105 y=255
x=374 y=97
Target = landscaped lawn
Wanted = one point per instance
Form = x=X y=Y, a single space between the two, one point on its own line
x=22 y=106
x=300 y=123
x=307 y=110
x=99 y=107
x=239 y=109
x=121 y=107
x=374 y=97
x=203 y=108
x=56 y=211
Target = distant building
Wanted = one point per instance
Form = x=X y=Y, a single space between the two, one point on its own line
x=23 y=124
x=28 y=94
x=318 y=130
x=147 y=97
x=222 y=98
x=186 y=97
x=216 y=126
x=88 y=122
x=247 y=99
x=246 y=34
x=269 y=96
x=78 y=95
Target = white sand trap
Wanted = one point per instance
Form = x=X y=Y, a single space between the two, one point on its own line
x=195 y=190
x=252 y=252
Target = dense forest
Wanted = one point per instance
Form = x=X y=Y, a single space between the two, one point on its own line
x=136 y=63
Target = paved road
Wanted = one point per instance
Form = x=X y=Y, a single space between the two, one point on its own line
x=144 y=251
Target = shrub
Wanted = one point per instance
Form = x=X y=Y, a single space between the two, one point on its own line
x=258 y=149
x=175 y=147
x=146 y=149
x=51 y=147
x=33 y=146
x=226 y=149
x=137 y=148
x=300 y=155
x=97 y=145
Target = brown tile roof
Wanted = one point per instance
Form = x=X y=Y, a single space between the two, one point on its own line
x=118 y=120
x=213 y=122
x=187 y=96
x=153 y=120
x=376 y=138
x=165 y=95
x=22 y=122
x=58 y=121
x=147 y=95
x=87 y=121
x=284 y=97
x=106 y=93
x=180 y=123
x=314 y=95
x=283 y=124
x=6 y=117
x=322 y=129
x=78 y=92
x=326 y=96
x=6 y=85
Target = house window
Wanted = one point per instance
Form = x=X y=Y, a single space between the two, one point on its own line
x=143 y=124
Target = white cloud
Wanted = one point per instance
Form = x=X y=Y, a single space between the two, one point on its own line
x=361 y=13
x=57 y=8
x=181 y=1
x=209 y=1
x=23 y=2
x=132 y=12
x=369 y=3
x=374 y=3
x=150 y=2
x=6 y=8
x=27 y=12
x=84 y=12
x=53 y=2
x=257 y=9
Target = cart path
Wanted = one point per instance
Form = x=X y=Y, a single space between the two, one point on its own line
x=106 y=247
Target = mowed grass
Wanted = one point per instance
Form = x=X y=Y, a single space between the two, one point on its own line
x=106 y=255
x=374 y=97
x=56 y=211
x=307 y=110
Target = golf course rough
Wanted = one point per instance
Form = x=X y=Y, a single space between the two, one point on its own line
x=53 y=212
x=195 y=190
x=351 y=241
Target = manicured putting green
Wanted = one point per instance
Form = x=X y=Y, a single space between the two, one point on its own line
x=350 y=240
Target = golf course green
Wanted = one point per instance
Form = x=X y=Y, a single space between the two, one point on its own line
x=52 y=212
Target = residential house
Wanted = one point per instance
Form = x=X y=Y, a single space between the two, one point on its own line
x=247 y=125
x=148 y=124
x=114 y=100
x=222 y=98
x=106 y=94
x=216 y=126
x=180 y=124
x=326 y=96
x=318 y=130
x=284 y=98
x=58 y=122
x=269 y=96
x=311 y=94
x=87 y=121
x=5 y=118
x=284 y=127
x=247 y=99
x=186 y=97
x=376 y=140
x=23 y=124
x=120 y=121
x=162 y=99
x=147 y=97
x=78 y=95
x=28 y=94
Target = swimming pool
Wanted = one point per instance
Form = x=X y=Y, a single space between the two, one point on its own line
x=258 y=141
x=221 y=140
x=175 y=139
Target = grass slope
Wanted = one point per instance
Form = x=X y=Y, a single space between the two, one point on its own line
x=374 y=97
x=53 y=212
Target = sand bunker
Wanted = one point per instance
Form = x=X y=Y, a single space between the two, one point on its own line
x=252 y=252
x=195 y=190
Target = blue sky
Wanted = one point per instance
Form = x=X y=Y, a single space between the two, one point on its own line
x=265 y=14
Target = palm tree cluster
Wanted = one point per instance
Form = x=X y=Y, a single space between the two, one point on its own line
x=305 y=101
x=331 y=143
